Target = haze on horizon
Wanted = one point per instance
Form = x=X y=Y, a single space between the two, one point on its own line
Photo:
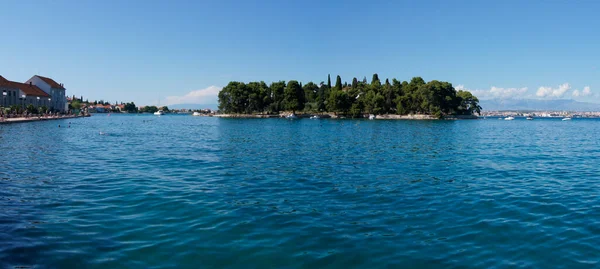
x=173 y=52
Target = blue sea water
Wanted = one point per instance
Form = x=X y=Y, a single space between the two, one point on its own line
x=141 y=191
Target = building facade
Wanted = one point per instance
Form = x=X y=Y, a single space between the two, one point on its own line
x=22 y=94
x=10 y=94
x=56 y=91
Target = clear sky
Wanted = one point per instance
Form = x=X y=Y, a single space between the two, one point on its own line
x=174 y=51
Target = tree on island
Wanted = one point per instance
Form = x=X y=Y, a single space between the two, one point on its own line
x=294 y=96
x=149 y=109
x=338 y=83
x=468 y=103
x=396 y=97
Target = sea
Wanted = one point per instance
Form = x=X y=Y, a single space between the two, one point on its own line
x=177 y=191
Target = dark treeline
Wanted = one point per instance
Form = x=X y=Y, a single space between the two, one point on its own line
x=415 y=97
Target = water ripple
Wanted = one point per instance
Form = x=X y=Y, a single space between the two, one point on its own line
x=189 y=192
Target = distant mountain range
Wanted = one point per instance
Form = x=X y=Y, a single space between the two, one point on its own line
x=193 y=106
x=534 y=104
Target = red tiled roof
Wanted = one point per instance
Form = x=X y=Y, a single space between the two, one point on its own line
x=30 y=90
x=51 y=82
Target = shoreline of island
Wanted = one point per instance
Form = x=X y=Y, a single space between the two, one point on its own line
x=334 y=116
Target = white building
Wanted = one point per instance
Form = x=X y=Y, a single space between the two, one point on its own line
x=56 y=91
x=22 y=94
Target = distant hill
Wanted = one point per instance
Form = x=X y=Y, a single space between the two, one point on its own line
x=193 y=106
x=534 y=104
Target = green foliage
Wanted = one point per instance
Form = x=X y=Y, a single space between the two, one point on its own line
x=310 y=92
x=397 y=97
x=15 y=108
x=374 y=102
x=357 y=109
x=338 y=101
x=375 y=78
x=149 y=109
x=294 y=96
x=277 y=89
x=164 y=109
x=130 y=108
x=75 y=104
x=254 y=97
x=31 y=109
x=467 y=103
x=338 y=83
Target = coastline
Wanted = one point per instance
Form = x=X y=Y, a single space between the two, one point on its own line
x=366 y=116
x=33 y=119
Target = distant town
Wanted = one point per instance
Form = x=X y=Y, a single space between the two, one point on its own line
x=100 y=106
x=541 y=114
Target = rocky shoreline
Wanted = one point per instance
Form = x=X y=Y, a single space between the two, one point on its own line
x=334 y=116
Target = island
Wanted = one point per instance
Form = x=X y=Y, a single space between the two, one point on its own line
x=416 y=99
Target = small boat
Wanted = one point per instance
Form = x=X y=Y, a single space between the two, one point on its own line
x=158 y=113
x=291 y=116
x=509 y=118
x=371 y=117
x=567 y=118
x=529 y=118
x=315 y=117
x=196 y=114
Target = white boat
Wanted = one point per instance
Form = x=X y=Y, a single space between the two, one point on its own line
x=529 y=118
x=158 y=113
x=315 y=117
x=196 y=114
x=291 y=116
x=371 y=117
x=567 y=118
x=509 y=118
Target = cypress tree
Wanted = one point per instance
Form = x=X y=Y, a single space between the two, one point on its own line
x=328 y=81
x=375 y=77
x=338 y=83
x=354 y=82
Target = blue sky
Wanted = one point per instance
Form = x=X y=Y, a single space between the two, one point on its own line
x=183 y=51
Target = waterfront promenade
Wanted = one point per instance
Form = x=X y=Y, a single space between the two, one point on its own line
x=30 y=119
